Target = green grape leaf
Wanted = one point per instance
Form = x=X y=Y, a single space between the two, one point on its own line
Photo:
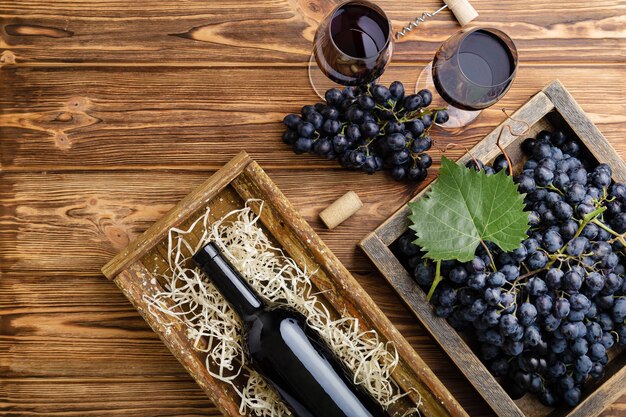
x=463 y=209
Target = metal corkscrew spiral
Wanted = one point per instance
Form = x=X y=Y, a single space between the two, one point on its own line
x=415 y=23
x=462 y=10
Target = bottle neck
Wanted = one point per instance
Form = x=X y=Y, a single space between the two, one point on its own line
x=235 y=289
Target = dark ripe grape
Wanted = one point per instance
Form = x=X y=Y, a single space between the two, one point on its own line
x=416 y=127
x=330 y=112
x=334 y=96
x=395 y=127
x=562 y=210
x=307 y=109
x=528 y=146
x=526 y=183
x=619 y=223
x=357 y=158
x=406 y=245
x=572 y=397
x=510 y=272
x=369 y=166
x=519 y=254
x=537 y=260
x=354 y=114
x=533 y=219
x=572 y=281
x=447 y=296
x=508 y=324
x=612 y=283
x=576 y=315
x=424 y=273
x=561 y=180
x=368 y=117
x=421 y=144
x=424 y=161
x=543 y=136
x=618 y=191
x=412 y=102
x=396 y=89
x=579 y=301
x=340 y=143
x=331 y=127
x=621 y=334
x=597 y=352
x=441 y=117
x=489 y=170
x=400 y=157
x=417 y=173
x=315 y=119
x=303 y=145
x=443 y=311
x=477 y=281
x=427 y=97
x=577 y=246
x=614 y=208
x=496 y=279
x=322 y=146
x=541 y=150
x=398 y=173
x=499 y=366
x=561 y=308
x=619 y=310
x=290 y=137
x=306 y=129
x=292 y=121
x=558 y=138
x=370 y=129
x=601 y=179
x=532 y=336
x=381 y=93
x=365 y=102
x=575 y=193
x=478 y=307
x=536 y=286
x=543 y=176
x=554 y=278
x=607 y=340
x=396 y=141
x=578 y=175
x=427 y=120
x=568 y=229
x=552 y=241
x=353 y=132
x=458 y=275
x=491 y=295
x=571 y=148
x=544 y=304
x=501 y=163
x=385 y=114
x=569 y=330
x=531 y=164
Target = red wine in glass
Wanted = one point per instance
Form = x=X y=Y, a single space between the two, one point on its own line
x=472 y=70
x=353 y=43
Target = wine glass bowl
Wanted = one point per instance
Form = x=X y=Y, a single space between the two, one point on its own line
x=473 y=69
x=352 y=45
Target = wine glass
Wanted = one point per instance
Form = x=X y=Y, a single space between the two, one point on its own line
x=471 y=71
x=352 y=46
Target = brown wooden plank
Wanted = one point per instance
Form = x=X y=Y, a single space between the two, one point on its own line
x=48 y=218
x=96 y=397
x=195 y=119
x=244 y=32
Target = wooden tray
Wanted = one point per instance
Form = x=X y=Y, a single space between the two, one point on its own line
x=550 y=109
x=226 y=190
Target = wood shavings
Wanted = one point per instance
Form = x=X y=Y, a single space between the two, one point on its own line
x=189 y=298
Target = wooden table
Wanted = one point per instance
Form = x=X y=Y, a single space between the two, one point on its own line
x=112 y=111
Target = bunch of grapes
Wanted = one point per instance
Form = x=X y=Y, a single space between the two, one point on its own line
x=369 y=128
x=543 y=316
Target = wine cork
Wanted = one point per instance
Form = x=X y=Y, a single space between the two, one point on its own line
x=344 y=207
x=462 y=10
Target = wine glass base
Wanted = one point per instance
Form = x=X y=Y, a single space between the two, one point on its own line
x=458 y=118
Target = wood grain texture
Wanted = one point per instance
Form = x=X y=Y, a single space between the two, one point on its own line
x=245 y=32
x=194 y=119
x=110 y=112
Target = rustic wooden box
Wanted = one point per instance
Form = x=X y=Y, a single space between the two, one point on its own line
x=550 y=109
x=226 y=190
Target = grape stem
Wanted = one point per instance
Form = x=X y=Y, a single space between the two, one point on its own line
x=618 y=236
x=436 y=282
x=493 y=264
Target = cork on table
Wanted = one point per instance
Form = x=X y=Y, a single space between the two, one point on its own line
x=112 y=112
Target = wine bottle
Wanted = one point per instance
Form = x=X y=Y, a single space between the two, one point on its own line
x=289 y=354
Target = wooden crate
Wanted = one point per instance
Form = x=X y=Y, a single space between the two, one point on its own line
x=550 y=109
x=226 y=190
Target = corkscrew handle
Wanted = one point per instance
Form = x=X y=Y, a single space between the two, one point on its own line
x=462 y=10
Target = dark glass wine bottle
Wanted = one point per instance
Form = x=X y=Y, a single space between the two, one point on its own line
x=289 y=354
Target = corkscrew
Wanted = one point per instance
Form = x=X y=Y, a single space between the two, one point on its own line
x=462 y=10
